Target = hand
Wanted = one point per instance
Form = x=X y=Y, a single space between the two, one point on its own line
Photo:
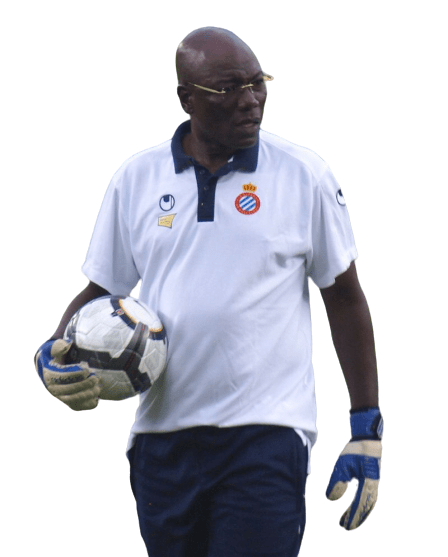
x=75 y=384
x=360 y=459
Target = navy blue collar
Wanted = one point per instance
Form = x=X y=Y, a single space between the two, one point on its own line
x=245 y=160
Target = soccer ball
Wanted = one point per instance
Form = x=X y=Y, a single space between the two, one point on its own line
x=122 y=341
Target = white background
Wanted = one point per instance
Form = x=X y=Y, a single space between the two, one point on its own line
x=85 y=85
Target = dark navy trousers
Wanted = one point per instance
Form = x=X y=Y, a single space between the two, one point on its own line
x=220 y=492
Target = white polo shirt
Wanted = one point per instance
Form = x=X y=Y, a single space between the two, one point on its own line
x=224 y=260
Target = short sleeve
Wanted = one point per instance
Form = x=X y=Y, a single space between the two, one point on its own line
x=332 y=242
x=109 y=260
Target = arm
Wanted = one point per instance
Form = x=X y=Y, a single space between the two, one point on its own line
x=352 y=333
x=89 y=293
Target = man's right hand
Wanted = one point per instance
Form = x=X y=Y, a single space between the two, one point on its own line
x=74 y=384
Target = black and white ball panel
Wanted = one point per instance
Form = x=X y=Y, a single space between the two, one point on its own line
x=122 y=341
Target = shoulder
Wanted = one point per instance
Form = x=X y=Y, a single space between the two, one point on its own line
x=156 y=159
x=295 y=155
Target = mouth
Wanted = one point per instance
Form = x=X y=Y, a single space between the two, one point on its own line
x=250 y=125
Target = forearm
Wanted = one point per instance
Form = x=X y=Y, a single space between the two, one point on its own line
x=89 y=293
x=352 y=333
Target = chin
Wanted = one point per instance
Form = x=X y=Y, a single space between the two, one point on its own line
x=246 y=142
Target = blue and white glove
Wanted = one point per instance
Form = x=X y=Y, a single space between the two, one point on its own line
x=360 y=459
x=74 y=384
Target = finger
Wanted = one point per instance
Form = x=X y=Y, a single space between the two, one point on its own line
x=83 y=387
x=69 y=380
x=83 y=400
x=341 y=475
x=365 y=499
x=88 y=404
x=336 y=490
x=59 y=349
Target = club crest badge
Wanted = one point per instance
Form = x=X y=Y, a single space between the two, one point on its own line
x=248 y=203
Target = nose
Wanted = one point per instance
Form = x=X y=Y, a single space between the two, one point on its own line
x=248 y=98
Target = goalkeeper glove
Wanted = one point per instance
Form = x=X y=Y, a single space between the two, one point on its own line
x=73 y=384
x=360 y=459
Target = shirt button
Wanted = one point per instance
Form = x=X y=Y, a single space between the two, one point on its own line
x=206 y=188
x=202 y=172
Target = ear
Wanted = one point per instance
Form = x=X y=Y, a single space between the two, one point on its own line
x=185 y=98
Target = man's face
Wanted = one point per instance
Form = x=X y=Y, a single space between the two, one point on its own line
x=229 y=121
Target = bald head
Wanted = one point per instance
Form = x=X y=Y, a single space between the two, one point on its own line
x=204 y=49
x=208 y=61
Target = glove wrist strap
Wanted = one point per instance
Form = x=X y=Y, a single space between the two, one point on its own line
x=366 y=423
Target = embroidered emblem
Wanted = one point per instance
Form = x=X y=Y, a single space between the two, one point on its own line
x=340 y=198
x=167 y=202
x=248 y=203
x=167 y=220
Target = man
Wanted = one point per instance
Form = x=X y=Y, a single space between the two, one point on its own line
x=223 y=225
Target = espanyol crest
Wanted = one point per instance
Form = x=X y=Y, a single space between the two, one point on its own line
x=248 y=203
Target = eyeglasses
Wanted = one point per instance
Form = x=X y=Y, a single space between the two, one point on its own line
x=257 y=84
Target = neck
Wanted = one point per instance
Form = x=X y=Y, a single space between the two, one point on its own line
x=205 y=154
